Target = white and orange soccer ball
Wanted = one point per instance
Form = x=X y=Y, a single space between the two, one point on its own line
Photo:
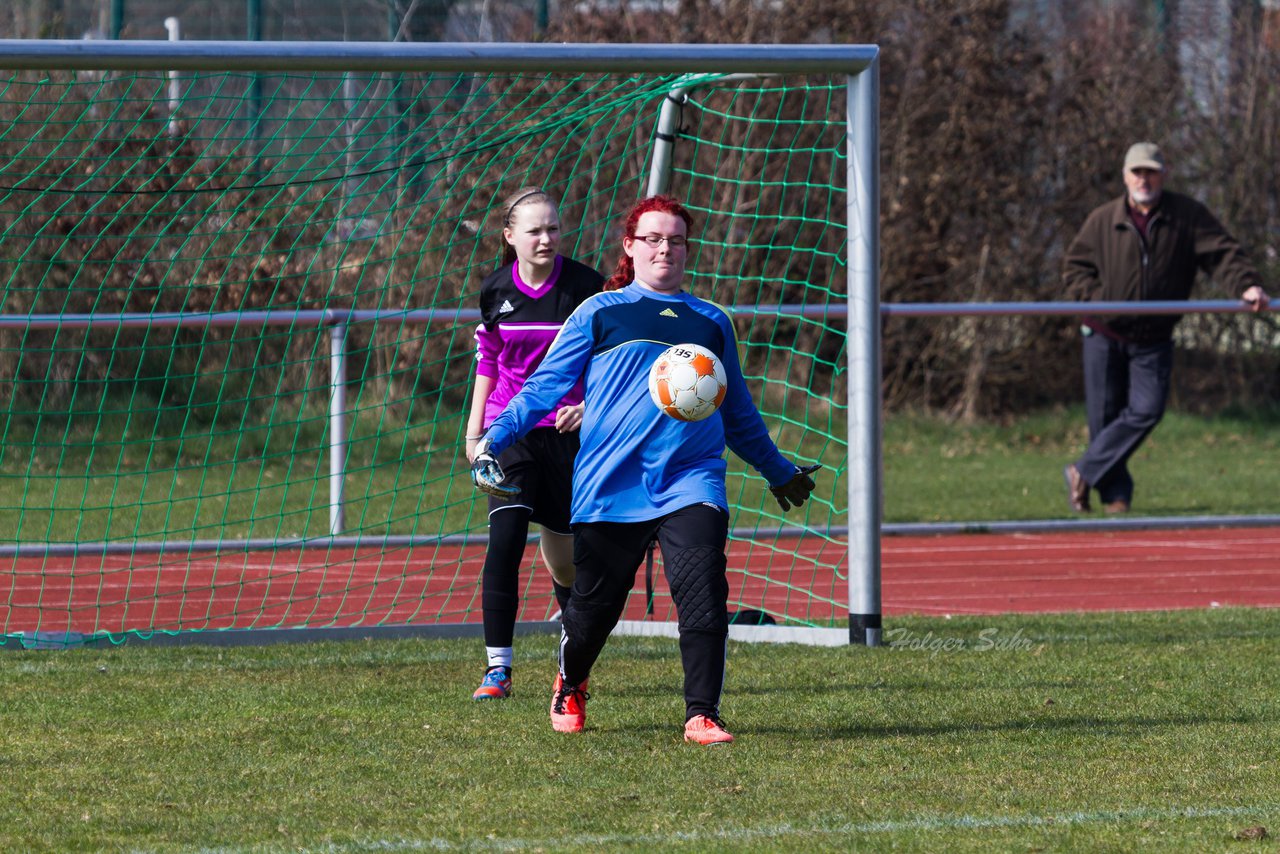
x=687 y=382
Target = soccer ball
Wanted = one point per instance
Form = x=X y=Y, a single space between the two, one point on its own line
x=687 y=382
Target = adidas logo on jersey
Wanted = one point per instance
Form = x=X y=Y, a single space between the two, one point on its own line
x=506 y=307
x=666 y=312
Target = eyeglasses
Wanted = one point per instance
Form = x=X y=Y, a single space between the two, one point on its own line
x=675 y=241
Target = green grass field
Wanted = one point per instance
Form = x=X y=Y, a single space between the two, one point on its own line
x=1102 y=732
x=1191 y=465
x=273 y=483
x=1148 y=732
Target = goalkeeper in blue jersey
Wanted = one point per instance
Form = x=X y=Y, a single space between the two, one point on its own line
x=641 y=475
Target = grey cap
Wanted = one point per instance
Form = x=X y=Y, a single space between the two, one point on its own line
x=1144 y=155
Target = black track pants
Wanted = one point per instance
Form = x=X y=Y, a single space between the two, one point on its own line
x=606 y=556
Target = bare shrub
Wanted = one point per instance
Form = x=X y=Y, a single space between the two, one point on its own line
x=999 y=133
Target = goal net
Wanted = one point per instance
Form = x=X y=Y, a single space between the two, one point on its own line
x=236 y=331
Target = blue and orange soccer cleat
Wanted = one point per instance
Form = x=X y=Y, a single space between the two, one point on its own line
x=495 y=685
x=706 y=730
x=568 y=706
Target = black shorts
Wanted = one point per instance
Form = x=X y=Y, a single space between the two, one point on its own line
x=541 y=464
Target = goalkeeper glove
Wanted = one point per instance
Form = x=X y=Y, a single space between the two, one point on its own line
x=487 y=475
x=796 y=491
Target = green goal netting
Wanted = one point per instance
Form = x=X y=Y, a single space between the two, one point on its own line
x=236 y=332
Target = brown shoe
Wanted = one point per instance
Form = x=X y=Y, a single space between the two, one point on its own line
x=1117 y=506
x=1077 y=489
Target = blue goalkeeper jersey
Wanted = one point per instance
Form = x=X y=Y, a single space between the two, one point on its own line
x=635 y=463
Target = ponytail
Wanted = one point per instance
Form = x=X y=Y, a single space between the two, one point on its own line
x=624 y=275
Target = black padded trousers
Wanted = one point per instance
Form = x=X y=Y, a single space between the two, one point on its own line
x=606 y=556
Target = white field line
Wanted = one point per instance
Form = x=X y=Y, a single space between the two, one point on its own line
x=789 y=831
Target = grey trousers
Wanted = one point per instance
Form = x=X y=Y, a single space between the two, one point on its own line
x=1126 y=387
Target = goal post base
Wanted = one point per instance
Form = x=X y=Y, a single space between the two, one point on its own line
x=806 y=635
x=864 y=629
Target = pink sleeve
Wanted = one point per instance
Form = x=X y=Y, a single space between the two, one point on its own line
x=488 y=346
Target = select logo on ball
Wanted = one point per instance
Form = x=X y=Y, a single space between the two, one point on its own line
x=687 y=382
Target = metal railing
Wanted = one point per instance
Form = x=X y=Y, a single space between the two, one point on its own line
x=338 y=321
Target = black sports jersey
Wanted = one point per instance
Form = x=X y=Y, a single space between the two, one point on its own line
x=518 y=324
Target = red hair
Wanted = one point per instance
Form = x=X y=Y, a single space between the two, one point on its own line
x=625 y=272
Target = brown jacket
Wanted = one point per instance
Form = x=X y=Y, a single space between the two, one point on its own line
x=1109 y=261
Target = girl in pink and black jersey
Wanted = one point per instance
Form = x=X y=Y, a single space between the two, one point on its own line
x=523 y=304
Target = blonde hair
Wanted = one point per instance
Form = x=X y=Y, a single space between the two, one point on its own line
x=529 y=195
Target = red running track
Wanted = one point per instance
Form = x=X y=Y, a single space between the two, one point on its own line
x=1079 y=571
x=800 y=579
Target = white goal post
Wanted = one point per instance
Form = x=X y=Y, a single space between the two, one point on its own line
x=859 y=64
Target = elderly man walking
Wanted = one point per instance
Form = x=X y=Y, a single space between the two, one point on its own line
x=1146 y=245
